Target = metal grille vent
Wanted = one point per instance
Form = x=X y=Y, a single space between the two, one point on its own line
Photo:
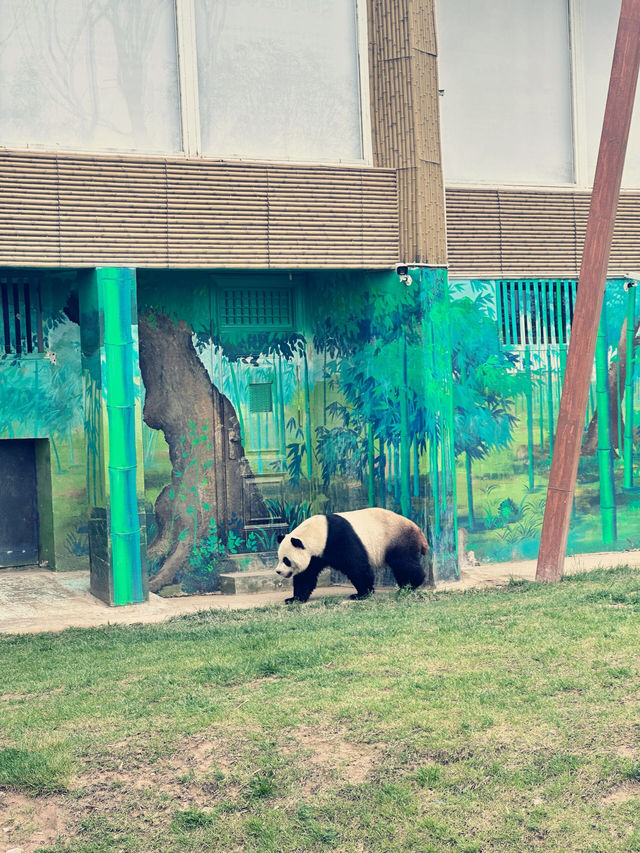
x=260 y=397
x=21 y=330
x=534 y=312
x=256 y=307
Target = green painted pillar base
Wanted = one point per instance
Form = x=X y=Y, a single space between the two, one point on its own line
x=113 y=429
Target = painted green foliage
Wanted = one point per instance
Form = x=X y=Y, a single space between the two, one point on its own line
x=354 y=414
x=504 y=494
x=41 y=397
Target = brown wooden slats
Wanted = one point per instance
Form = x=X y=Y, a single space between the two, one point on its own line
x=73 y=210
x=405 y=124
x=522 y=233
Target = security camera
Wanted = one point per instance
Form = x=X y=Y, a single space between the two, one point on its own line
x=403 y=274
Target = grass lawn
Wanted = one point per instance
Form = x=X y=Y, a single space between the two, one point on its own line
x=502 y=720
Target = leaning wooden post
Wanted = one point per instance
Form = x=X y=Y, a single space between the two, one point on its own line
x=591 y=284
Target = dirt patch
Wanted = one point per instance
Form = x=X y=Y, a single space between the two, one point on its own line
x=30 y=822
x=331 y=752
x=626 y=792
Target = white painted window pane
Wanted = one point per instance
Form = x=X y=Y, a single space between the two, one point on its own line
x=600 y=24
x=279 y=80
x=506 y=109
x=89 y=74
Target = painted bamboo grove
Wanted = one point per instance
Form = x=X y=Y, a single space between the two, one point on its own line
x=502 y=503
x=340 y=385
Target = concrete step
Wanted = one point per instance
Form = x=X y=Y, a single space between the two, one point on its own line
x=236 y=583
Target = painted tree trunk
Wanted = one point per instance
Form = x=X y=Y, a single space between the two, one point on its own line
x=617 y=377
x=237 y=401
x=605 y=449
x=202 y=429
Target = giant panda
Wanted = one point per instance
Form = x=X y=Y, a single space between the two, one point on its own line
x=355 y=543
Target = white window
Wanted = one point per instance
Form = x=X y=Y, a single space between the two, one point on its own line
x=600 y=24
x=506 y=75
x=279 y=80
x=89 y=75
x=525 y=85
x=254 y=79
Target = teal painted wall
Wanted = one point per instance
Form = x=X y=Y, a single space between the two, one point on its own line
x=41 y=398
x=345 y=405
x=507 y=395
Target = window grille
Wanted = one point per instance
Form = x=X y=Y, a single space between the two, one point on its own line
x=249 y=307
x=21 y=331
x=260 y=397
x=535 y=312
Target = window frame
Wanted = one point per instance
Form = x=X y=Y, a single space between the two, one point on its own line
x=189 y=110
x=574 y=9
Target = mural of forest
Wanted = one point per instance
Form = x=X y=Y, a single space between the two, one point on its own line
x=509 y=354
x=271 y=396
x=41 y=398
x=281 y=396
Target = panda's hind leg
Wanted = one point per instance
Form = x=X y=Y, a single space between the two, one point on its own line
x=363 y=580
x=406 y=564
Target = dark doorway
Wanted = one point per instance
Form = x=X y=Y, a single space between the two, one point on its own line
x=18 y=503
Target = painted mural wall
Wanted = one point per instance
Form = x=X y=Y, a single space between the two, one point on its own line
x=508 y=369
x=271 y=397
x=41 y=398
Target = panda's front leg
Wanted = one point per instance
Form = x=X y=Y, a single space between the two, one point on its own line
x=303 y=585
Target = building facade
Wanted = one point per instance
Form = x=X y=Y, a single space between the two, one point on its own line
x=206 y=338
x=523 y=89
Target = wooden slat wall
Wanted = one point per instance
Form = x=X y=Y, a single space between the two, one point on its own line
x=405 y=120
x=494 y=233
x=74 y=210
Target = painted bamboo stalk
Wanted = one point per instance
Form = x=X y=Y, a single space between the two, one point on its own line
x=119 y=361
x=307 y=414
x=628 y=400
x=371 y=475
x=529 y=396
x=405 y=438
x=280 y=405
x=435 y=486
x=619 y=405
x=467 y=465
x=416 y=468
x=605 y=451
x=382 y=465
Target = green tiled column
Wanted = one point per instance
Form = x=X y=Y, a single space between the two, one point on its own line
x=113 y=425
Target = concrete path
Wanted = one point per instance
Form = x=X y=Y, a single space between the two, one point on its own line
x=35 y=600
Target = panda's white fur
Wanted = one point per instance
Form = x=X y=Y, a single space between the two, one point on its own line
x=378 y=531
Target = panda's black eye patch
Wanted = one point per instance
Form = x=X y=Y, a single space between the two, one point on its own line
x=297 y=543
x=286 y=561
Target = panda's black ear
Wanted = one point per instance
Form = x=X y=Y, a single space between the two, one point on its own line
x=280 y=537
x=297 y=543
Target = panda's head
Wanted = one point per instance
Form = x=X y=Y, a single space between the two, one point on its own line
x=298 y=547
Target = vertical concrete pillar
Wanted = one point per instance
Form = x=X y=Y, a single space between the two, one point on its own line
x=113 y=427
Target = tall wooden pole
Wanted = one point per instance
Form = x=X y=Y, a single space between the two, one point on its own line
x=591 y=284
